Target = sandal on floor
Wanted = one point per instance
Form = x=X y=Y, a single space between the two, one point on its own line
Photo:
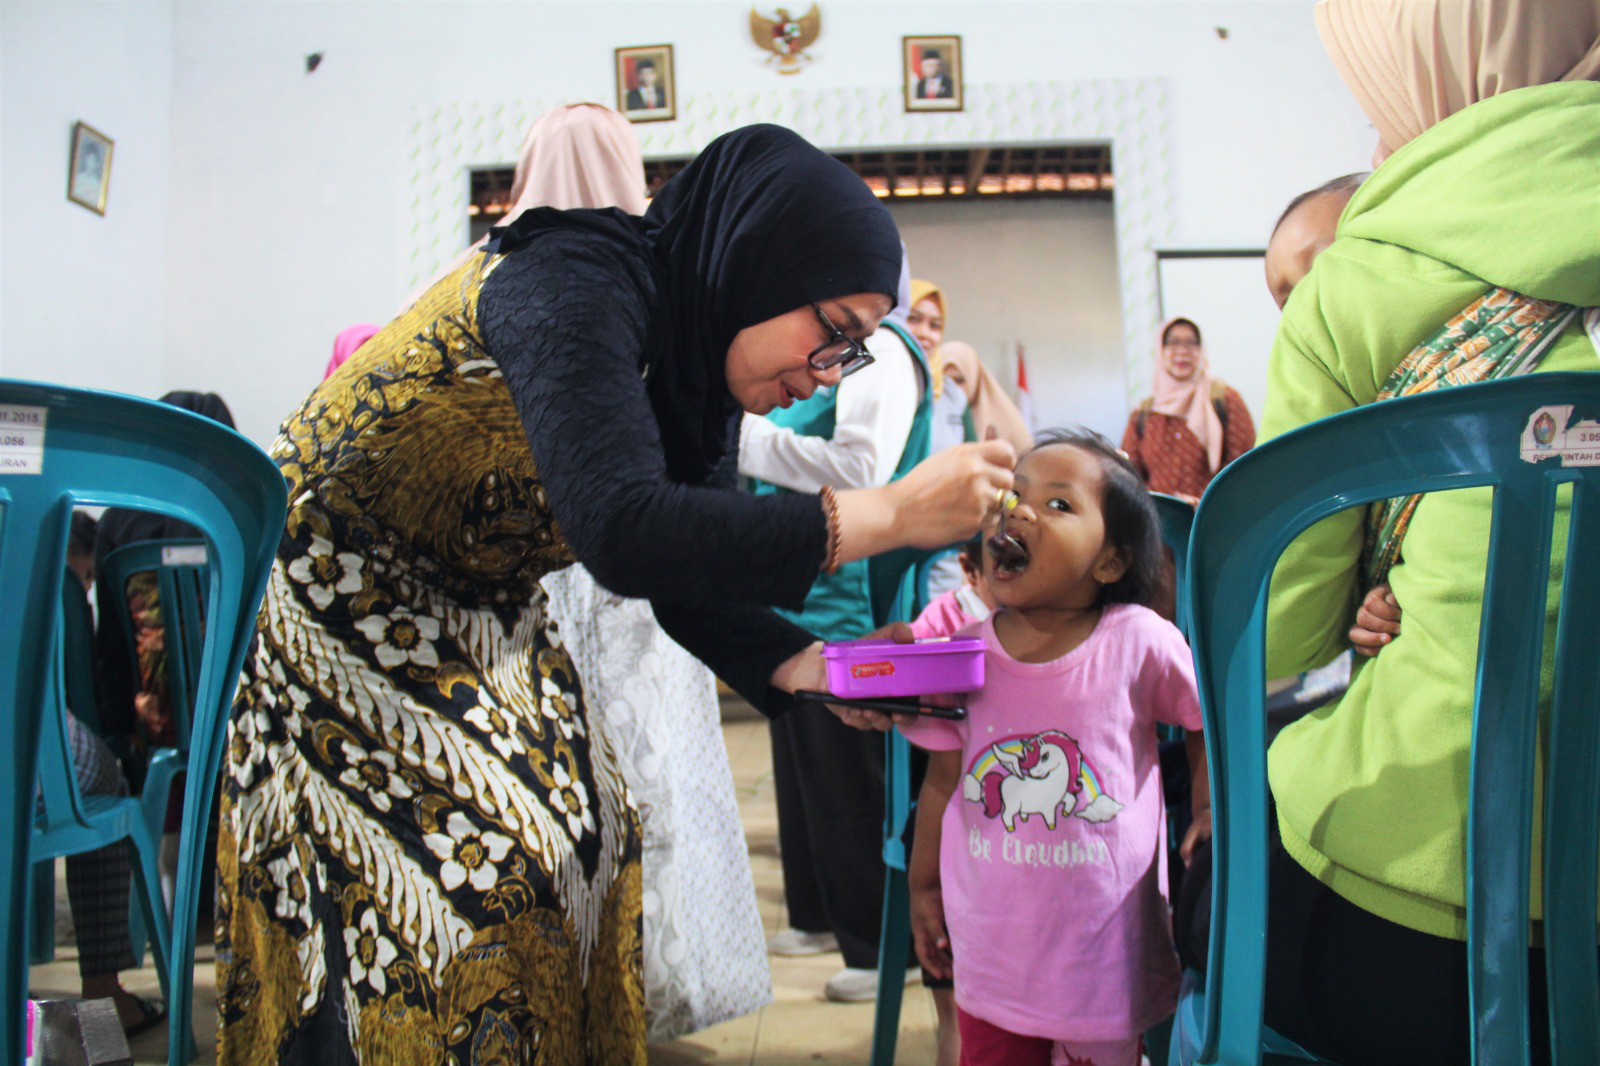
x=154 y=1013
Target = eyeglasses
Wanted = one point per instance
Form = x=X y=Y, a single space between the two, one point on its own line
x=838 y=350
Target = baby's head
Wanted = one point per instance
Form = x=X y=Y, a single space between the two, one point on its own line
x=1305 y=228
x=976 y=569
x=1085 y=514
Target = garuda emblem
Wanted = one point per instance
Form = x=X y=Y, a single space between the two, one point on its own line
x=786 y=37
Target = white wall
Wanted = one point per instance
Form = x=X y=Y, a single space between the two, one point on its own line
x=82 y=296
x=287 y=190
x=1039 y=272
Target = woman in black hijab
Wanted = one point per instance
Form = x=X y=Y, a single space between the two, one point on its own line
x=425 y=850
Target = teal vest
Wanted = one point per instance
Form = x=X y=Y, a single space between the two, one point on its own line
x=846 y=604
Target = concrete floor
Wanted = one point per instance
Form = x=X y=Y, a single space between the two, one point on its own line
x=799 y=1026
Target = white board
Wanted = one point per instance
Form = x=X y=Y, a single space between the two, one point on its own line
x=1226 y=295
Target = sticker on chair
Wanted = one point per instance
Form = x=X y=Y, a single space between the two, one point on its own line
x=22 y=439
x=1548 y=434
x=183 y=555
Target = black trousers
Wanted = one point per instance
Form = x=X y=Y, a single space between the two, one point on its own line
x=1347 y=984
x=98 y=882
x=829 y=783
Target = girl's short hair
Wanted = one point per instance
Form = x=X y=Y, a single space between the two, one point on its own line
x=1130 y=515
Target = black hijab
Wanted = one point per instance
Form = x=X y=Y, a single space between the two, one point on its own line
x=759 y=224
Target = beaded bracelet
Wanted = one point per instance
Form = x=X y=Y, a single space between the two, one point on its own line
x=830 y=505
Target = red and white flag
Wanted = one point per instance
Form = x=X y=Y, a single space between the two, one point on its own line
x=1024 y=398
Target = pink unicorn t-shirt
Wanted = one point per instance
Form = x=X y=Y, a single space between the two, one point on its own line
x=1053 y=860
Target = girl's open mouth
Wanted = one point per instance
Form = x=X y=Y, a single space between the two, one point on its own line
x=1010 y=555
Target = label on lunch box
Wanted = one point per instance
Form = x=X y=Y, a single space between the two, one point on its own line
x=883 y=669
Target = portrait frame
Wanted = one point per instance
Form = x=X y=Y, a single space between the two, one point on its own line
x=89 y=167
x=945 y=48
x=628 y=62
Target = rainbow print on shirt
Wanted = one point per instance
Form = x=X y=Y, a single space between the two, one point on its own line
x=1044 y=774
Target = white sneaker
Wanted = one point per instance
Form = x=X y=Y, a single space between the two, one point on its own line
x=855 y=985
x=796 y=943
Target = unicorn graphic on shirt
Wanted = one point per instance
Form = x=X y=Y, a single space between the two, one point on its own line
x=1044 y=774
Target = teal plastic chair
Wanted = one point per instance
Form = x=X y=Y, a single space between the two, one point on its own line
x=1176 y=516
x=77 y=650
x=101 y=449
x=1177 y=521
x=906 y=573
x=1470 y=435
x=181 y=573
x=72 y=823
x=77 y=641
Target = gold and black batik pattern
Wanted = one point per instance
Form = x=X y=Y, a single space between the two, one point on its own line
x=426 y=853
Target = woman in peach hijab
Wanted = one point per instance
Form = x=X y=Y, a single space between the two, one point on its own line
x=1194 y=424
x=580 y=155
x=1474 y=246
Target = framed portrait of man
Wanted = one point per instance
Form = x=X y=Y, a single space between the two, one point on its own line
x=89 y=168
x=932 y=71
x=645 y=91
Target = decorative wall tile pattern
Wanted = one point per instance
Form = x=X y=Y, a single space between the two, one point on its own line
x=1131 y=114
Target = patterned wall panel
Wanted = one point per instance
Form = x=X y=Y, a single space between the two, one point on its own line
x=1131 y=114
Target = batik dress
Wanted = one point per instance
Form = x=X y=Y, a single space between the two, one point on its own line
x=426 y=854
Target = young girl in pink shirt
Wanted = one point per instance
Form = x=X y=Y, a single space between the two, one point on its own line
x=1038 y=874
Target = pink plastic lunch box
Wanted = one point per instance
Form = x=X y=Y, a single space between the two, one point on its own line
x=864 y=669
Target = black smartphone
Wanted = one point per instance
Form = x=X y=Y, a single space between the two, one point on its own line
x=890 y=705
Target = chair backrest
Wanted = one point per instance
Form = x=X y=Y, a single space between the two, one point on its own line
x=1177 y=520
x=69 y=670
x=179 y=569
x=77 y=645
x=71 y=686
x=62 y=447
x=1473 y=435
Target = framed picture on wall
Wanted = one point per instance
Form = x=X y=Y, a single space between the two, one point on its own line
x=932 y=70
x=645 y=90
x=89 y=168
